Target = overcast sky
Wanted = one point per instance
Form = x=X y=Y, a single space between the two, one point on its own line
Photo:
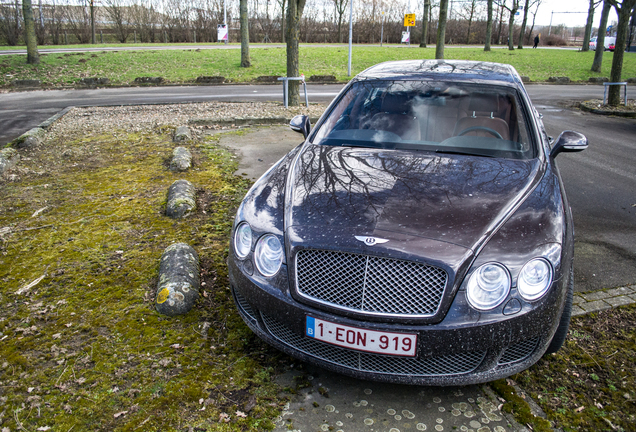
x=569 y=19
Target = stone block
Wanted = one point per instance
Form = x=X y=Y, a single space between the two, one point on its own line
x=322 y=78
x=619 y=301
x=9 y=157
x=27 y=83
x=31 y=138
x=559 y=80
x=94 y=82
x=149 y=80
x=181 y=159
x=593 y=296
x=577 y=311
x=179 y=282
x=182 y=134
x=210 y=80
x=267 y=78
x=525 y=79
x=181 y=199
x=595 y=306
x=618 y=291
x=598 y=80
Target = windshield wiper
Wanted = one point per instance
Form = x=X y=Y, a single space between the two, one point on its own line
x=465 y=153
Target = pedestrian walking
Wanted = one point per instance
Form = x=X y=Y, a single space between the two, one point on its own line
x=536 y=41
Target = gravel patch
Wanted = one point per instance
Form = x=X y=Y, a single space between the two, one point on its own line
x=140 y=118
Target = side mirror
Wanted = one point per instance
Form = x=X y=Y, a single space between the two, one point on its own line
x=301 y=124
x=569 y=141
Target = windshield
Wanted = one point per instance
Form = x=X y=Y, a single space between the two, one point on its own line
x=429 y=116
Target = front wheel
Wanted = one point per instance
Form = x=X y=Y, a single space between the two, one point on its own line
x=564 y=324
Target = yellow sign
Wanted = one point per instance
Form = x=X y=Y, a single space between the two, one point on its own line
x=409 y=20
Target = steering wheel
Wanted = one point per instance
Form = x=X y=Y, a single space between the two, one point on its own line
x=481 y=128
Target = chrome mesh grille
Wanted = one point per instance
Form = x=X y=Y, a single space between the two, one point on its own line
x=369 y=284
x=244 y=306
x=456 y=364
x=519 y=351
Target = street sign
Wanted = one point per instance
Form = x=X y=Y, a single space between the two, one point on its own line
x=409 y=20
x=221 y=31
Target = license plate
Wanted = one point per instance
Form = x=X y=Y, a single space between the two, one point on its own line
x=397 y=344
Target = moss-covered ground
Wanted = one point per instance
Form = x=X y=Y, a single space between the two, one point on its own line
x=590 y=384
x=82 y=228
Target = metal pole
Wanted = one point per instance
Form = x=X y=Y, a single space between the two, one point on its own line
x=382 y=31
x=350 y=33
x=227 y=28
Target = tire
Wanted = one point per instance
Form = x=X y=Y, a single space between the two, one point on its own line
x=562 y=331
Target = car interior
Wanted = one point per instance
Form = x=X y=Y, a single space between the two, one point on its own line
x=443 y=115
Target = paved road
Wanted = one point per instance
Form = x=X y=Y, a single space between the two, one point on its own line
x=601 y=182
x=89 y=48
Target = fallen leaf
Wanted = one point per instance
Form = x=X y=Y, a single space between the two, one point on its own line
x=43 y=428
x=30 y=389
x=579 y=409
x=31 y=285
x=119 y=414
x=57 y=335
x=240 y=414
x=223 y=417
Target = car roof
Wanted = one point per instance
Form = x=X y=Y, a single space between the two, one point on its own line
x=443 y=70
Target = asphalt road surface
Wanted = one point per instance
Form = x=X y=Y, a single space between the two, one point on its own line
x=600 y=182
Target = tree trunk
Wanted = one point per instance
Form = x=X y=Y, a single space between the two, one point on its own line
x=33 y=57
x=500 y=24
x=427 y=6
x=600 y=40
x=624 y=12
x=522 y=33
x=441 y=29
x=245 y=35
x=511 y=26
x=283 y=20
x=294 y=13
x=488 y=27
x=588 y=27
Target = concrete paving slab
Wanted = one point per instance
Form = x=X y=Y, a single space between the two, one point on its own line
x=332 y=402
x=619 y=301
x=261 y=148
x=595 y=306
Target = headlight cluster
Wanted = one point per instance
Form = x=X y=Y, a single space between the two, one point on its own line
x=489 y=285
x=268 y=253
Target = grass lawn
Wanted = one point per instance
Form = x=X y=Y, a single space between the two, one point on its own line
x=184 y=66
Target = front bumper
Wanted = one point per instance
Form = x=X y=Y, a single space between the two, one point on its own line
x=465 y=348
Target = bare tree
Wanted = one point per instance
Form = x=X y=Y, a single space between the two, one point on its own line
x=33 y=57
x=512 y=10
x=468 y=13
x=600 y=40
x=534 y=17
x=10 y=22
x=294 y=14
x=623 y=10
x=441 y=29
x=79 y=21
x=283 y=21
x=488 y=27
x=116 y=14
x=588 y=26
x=340 y=7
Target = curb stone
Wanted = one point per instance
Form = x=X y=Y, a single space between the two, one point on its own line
x=181 y=200
x=181 y=159
x=178 y=286
x=595 y=301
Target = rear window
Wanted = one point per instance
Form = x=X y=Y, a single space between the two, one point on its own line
x=429 y=116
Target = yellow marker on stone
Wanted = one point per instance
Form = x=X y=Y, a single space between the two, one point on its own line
x=163 y=295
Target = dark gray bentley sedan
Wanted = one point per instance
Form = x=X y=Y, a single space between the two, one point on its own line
x=420 y=234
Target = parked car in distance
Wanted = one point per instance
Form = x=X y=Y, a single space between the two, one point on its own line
x=609 y=42
x=420 y=234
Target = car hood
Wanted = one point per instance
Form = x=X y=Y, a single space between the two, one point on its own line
x=456 y=199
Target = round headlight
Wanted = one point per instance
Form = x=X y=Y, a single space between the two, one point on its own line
x=268 y=255
x=243 y=240
x=534 y=279
x=488 y=286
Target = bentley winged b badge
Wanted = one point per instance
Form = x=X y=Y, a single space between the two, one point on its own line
x=370 y=241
